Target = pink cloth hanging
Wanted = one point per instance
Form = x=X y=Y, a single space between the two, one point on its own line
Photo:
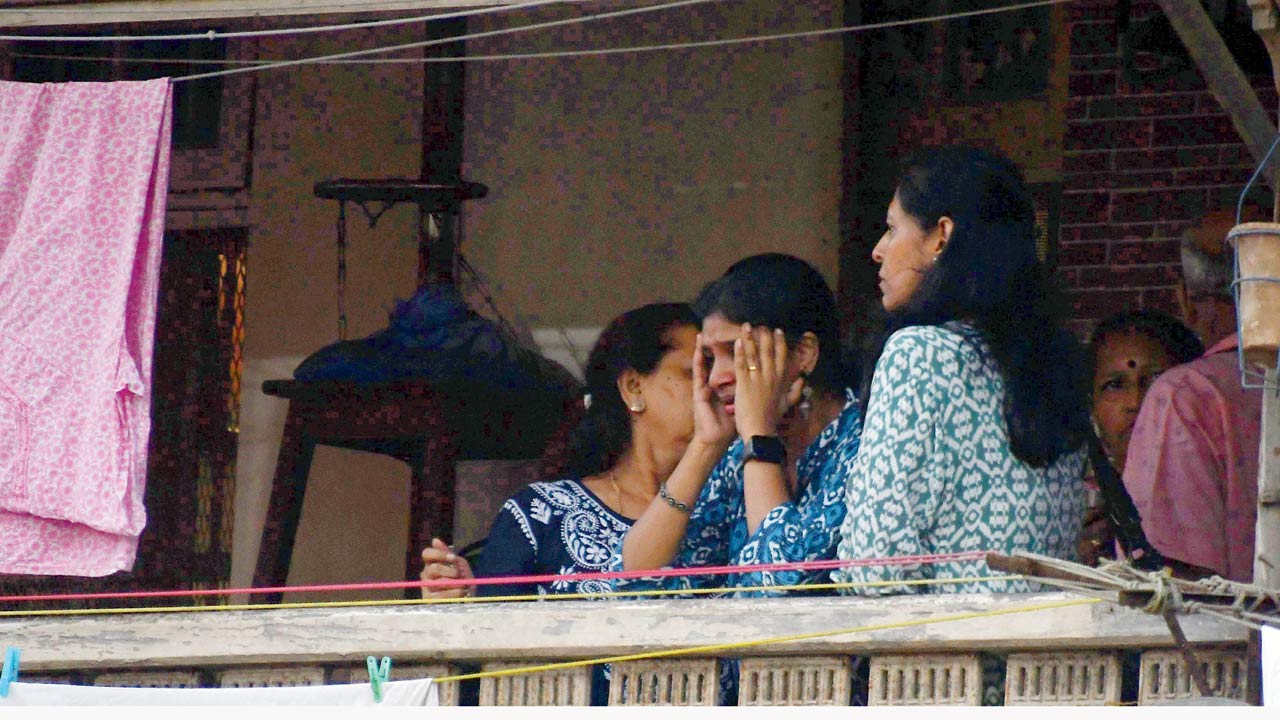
x=84 y=172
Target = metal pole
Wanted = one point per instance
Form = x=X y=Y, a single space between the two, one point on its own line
x=1266 y=559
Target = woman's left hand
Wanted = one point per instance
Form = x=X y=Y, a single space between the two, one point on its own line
x=761 y=395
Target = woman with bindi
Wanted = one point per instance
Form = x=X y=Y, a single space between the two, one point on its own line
x=1128 y=351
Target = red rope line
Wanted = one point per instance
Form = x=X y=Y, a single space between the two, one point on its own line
x=518 y=579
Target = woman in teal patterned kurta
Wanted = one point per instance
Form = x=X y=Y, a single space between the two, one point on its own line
x=975 y=412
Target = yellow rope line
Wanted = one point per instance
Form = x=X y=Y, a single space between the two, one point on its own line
x=501 y=598
x=708 y=649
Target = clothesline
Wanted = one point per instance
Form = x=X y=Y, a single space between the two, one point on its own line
x=514 y=580
x=602 y=595
x=357 y=56
x=441 y=41
x=302 y=30
x=214 y=35
x=352 y=6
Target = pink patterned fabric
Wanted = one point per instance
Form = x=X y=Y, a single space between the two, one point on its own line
x=1192 y=467
x=84 y=171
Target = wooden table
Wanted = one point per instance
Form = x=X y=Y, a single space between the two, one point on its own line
x=428 y=426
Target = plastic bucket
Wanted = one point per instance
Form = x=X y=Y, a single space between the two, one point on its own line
x=1257 y=247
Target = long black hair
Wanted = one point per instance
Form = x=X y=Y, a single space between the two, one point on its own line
x=636 y=340
x=782 y=291
x=988 y=275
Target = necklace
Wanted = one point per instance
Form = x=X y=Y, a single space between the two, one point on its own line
x=617 y=491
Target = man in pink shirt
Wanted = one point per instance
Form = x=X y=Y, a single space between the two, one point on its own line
x=1192 y=466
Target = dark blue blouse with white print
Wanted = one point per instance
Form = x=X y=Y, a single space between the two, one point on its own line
x=548 y=528
x=558 y=528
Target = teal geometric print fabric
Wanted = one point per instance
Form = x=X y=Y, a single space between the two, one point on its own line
x=935 y=472
x=801 y=530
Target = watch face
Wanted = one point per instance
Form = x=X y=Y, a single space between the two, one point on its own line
x=765 y=448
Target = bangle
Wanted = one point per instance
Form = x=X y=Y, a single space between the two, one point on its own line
x=666 y=497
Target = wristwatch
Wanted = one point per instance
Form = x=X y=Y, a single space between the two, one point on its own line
x=765 y=448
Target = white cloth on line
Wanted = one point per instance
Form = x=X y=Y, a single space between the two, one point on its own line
x=397 y=692
x=1270 y=666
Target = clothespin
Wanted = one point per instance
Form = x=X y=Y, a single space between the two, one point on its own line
x=10 y=672
x=378 y=675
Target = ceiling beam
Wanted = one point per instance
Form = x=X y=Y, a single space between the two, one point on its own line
x=30 y=14
x=1266 y=22
x=1225 y=79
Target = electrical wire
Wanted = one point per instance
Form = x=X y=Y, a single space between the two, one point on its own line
x=489 y=599
x=460 y=38
x=593 y=52
x=109 y=10
x=216 y=35
x=709 y=570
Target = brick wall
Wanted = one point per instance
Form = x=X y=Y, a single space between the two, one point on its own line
x=1142 y=159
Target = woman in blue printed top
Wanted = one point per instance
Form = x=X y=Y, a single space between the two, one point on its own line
x=770 y=372
x=636 y=427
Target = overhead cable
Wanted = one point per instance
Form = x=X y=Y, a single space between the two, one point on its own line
x=303 y=30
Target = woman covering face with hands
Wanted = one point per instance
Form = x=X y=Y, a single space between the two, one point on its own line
x=768 y=371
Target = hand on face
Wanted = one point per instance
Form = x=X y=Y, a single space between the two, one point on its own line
x=442 y=564
x=762 y=395
x=712 y=425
